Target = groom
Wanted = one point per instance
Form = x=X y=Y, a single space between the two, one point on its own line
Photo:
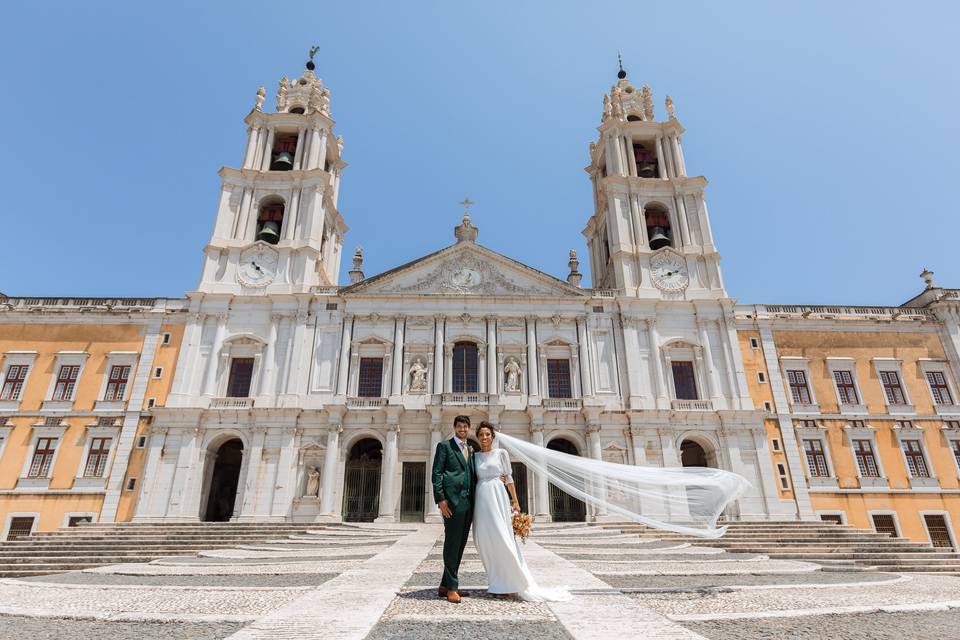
x=454 y=479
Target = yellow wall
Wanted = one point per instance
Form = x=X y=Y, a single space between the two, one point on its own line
x=862 y=347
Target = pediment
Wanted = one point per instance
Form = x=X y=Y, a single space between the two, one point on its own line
x=465 y=269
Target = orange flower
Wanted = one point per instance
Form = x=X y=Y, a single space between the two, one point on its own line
x=522 y=524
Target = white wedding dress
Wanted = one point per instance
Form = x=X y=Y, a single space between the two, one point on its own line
x=493 y=533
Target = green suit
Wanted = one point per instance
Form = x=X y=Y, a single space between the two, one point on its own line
x=454 y=480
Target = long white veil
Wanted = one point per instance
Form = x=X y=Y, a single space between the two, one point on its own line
x=684 y=500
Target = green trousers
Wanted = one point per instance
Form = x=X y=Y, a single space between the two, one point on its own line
x=456 y=528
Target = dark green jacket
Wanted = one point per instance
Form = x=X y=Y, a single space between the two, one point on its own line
x=453 y=477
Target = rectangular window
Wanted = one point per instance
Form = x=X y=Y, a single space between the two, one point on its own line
x=913 y=451
x=784 y=480
x=684 y=382
x=955 y=447
x=42 y=458
x=938 y=531
x=884 y=523
x=776 y=444
x=845 y=387
x=20 y=526
x=892 y=388
x=798 y=386
x=77 y=520
x=835 y=518
x=761 y=377
x=66 y=382
x=117 y=382
x=939 y=388
x=166 y=338
x=241 y=372
x=131 y=484
x=816 y=459
x=465 y=358
x=13 y=383
x=97 y=458
x=558 y=378
x=158 y=373
x=866 y=461
x=371 y=378
x=754 y=343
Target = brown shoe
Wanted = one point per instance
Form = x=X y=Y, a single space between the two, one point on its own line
x=453 y=596
x=442 y=592
x=463 y=594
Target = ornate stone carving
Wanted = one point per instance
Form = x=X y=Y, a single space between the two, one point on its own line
x=313 y=483
x=670 y=108
x=511 y=375
x=261 y=96
x=282 y=94
x=418 y=375
x=464 y=274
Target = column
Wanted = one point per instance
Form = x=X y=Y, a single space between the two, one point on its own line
x=180 y=484
x=631 y=159
x=396 y=385
x=492 y=369
x=240 y=224
x=658 y=374
x=682 y=215
x=298 y=153
x=147 y=506
x=344 y=367
x=438 y=355
x=448 y=368
x=291 y=214
x=533 y=380
x=599 y=484
x=668 y=159
x=209 y=383
x=251 y=490
x=713 y=385
x=391 y=454
x=268 y=151
x=704 y=222
x=329 y=479
x=586 y=382
x=482 y=370
x=251 y=149
x=661 y=159
x=639 y=446
x=268 y=386
x=286 y=473
x=431 y=510
x=541 y=485
x=678 y=155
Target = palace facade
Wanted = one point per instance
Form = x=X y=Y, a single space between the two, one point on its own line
x=293 y=398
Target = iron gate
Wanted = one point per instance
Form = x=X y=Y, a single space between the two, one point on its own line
x=361 y=491
x=412 y=493
x=566 y=508
x=519 y=471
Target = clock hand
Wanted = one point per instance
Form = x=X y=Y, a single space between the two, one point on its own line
x=256 y=266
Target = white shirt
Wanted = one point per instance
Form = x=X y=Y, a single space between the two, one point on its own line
x=460 y=443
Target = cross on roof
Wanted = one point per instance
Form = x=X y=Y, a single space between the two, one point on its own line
x=466 y=202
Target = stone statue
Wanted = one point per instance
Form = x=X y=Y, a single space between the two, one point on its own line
x=647 y=102
x=261 y=95
x=313 y=483
x=325 y=102
x=607 y=108
x=511 y=375
x=670 y=107
x=282 y=94
x=418 y=376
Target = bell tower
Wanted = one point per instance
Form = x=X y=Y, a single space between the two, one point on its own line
x=277 y=228
x=649 y=235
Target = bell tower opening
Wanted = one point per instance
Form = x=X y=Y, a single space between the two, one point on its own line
x=284 y=148
x=658 y=227
x=270 y=221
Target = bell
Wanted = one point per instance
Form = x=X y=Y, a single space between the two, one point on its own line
x=648 y=170
x=659 y=238
x=282 y=161
x=270 y=232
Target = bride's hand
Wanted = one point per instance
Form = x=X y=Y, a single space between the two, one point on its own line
x=516 y=506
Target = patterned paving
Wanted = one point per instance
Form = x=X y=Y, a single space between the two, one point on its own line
x=379 y=581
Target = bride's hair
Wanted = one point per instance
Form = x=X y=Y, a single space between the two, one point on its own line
x=486 y=425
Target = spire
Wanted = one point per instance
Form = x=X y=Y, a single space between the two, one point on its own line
x=313 y=52
x=620 y=74
x=574 y=276
x=927 y=276
x=356 y=274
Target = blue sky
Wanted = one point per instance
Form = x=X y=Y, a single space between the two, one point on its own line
x=828 y=132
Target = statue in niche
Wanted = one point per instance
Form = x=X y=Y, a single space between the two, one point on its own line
x=418 y=376
x=511 y=372
x=313 y=483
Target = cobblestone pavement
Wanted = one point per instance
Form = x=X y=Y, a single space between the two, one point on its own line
x=66 y=629
x=356 y=582
x=927 y=625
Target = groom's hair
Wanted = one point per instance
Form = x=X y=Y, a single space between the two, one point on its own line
x=464 y=419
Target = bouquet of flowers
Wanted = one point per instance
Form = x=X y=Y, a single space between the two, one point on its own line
x=522 y=523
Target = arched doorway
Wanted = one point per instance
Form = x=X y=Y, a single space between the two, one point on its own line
x=361 y=481
x=563 y=506
x=692 y=454
x=222 y=491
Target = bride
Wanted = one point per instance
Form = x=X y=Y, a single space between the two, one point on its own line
x=494 y=504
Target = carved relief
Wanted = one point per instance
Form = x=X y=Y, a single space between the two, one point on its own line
x=418 y=376
x=511 y=376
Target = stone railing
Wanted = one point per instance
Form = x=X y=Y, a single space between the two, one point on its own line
x=691 y=405
x=231 y=403
x=366 y=403
x=834 y=311
x=463 y=399
x=603 y=293
x=78 y=303
x=562 y=404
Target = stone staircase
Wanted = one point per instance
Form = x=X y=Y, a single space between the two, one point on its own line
x=834 y=546
x=94 y=545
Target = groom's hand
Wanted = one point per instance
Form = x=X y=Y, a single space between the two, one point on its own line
x=444 y=509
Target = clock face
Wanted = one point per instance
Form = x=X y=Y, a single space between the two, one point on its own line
x=669 y=271
x=258 y=265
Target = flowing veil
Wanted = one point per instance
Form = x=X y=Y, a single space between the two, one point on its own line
x=684 y=500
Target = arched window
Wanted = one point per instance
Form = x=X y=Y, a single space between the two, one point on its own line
x=465 y=367
x=270 y=221
x=646 y=160
x=659 y=231
x=297 y=110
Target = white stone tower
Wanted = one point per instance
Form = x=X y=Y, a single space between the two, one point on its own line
x=649 y=235
x=278 y=230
